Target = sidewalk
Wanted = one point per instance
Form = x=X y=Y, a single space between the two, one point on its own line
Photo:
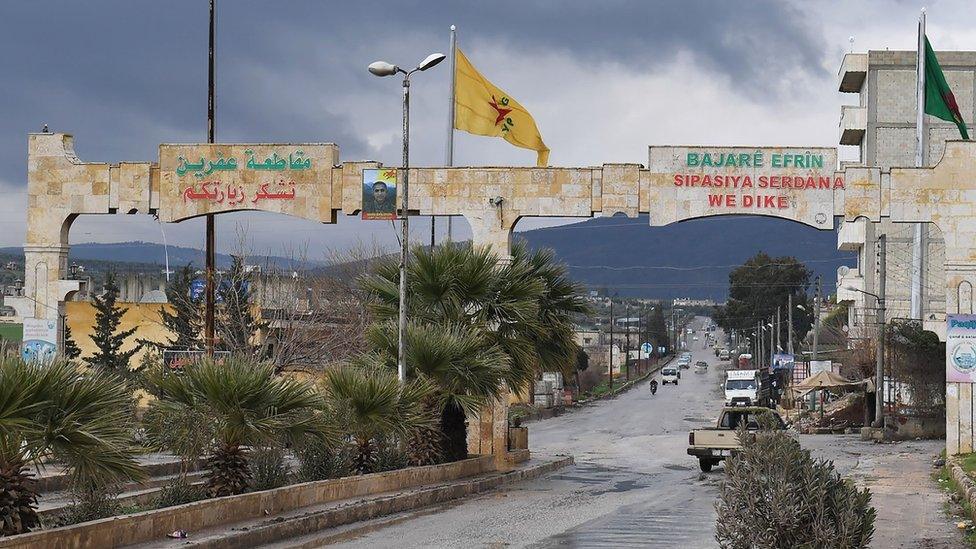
x=910 y=504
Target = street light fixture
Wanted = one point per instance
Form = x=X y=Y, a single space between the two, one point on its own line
x=879 y=363
x=382 y=68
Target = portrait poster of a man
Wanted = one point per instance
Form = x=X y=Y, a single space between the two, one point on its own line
x=379 y=194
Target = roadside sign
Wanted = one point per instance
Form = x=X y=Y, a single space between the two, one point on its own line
x=960 y=348
x=40 y=342
x=645 y=350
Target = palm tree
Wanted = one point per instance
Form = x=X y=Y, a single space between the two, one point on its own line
x=465 y=367
x=550 y=333
x=54 y=412
x=476 y=324
x=244 y=405
x=375 y=407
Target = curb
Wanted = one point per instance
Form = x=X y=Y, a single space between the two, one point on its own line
x=302 y=528
x=965 y=483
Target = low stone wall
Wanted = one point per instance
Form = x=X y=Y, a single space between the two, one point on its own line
x=154 y=525
x=965 y=483
x=909 y=428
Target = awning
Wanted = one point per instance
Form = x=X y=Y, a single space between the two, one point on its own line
x=824 y=379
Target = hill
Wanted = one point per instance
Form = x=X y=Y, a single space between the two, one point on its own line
x=139 y=256
x=688 y=259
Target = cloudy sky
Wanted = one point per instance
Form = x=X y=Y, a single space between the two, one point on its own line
x=604 y=79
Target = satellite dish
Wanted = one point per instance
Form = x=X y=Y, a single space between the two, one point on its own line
x=843 y=270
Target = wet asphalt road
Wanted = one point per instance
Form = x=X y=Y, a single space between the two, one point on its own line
x=633 y=484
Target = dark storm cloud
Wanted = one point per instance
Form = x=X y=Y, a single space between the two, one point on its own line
x=124 y=76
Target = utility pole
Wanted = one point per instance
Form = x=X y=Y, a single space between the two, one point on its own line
x=769 y=357
x=611 y=346
x=627 y=348
x=759 y=334
x=816 y=319
x=779 y=328
x=640 y=335
x=208 y=315
x=879 y=366
x=789 y=328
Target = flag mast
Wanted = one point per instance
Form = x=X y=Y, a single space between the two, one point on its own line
x=449 y=160
x=920 y=144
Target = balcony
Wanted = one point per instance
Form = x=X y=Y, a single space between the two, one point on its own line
x=849 y=278
x=853 y=71
x=853 y=124
x=851 y=235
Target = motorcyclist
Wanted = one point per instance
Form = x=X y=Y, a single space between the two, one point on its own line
x=653 y=386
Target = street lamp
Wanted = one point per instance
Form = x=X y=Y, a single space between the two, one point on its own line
x=879 y=363
x=382 y=68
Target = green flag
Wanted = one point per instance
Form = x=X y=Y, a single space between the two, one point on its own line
x=939 y=101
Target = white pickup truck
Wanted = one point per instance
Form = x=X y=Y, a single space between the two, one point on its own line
x=714 y=444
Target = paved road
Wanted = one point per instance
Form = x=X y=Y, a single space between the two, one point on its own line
x=633 y=484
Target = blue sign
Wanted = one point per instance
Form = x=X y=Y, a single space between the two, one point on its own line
x=198 y=288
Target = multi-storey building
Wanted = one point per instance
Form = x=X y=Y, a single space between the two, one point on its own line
x=883 y=126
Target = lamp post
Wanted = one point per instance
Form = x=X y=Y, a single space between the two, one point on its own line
x=879 y=363
x=382 y=68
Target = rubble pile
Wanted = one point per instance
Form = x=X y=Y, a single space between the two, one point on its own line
x=839 y=415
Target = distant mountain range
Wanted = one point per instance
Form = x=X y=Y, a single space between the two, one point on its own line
x=689 y=259
x=148 y=253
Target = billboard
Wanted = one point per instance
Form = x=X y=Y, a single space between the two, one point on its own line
x=783 y=361
x=379 y=194
x=961 y=348
x=40 y=339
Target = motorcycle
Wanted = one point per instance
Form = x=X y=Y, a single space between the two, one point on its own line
x=653 y=386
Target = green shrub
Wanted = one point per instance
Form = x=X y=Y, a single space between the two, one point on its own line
x=268 y=468
x=775 y=495
x=89 y=502
x=320 y=461
x=389 y=456
x=178 y=492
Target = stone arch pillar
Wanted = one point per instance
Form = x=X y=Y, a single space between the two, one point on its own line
x=960 y=397
x=488 y=432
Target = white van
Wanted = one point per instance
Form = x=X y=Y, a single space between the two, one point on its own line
x=742 y=388
x=669 y=374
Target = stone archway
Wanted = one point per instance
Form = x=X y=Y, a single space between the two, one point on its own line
x=680 y=183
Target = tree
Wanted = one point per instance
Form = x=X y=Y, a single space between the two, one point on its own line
x=916 y=358
x=71 y=350
x=466 y=368
x=476 y=324
x=109 y=356
x=760 y=286
x=237 y=324
x=54 y=413
x=244 y=405
x=183 y=318
x=658 y=329
x=375 y=407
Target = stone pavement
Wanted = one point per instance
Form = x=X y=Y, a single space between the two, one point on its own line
x=910 y=504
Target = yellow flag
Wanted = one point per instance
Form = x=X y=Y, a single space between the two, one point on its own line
x=482 y=108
